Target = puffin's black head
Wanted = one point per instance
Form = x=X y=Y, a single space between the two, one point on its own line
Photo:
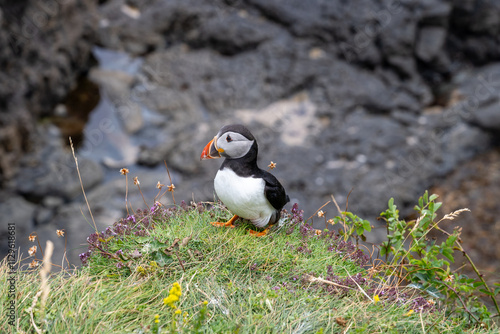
x=233 y=141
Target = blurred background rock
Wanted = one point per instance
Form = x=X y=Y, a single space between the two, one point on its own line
x=387 y=98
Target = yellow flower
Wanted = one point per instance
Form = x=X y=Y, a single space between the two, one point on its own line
x=157 y=318
x=178 y=311
x=410 y=312
x=205 y=303
x=376 y=299
x=174 y=295
x=141 y=270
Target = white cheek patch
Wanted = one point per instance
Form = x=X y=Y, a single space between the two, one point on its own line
x=241 y=148
x=237 y=147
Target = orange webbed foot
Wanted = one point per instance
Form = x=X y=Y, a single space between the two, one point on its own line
x=257 y=233
x=229 y=223
x=219 y=224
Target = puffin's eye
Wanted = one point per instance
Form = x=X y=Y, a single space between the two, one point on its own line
x=228 y=138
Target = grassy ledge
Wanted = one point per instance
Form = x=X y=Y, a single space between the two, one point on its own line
x=167 y=270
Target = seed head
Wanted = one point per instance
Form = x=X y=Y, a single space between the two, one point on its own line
x=272 y=165
x=60 y=233
x=124 y=171
x=32 y=250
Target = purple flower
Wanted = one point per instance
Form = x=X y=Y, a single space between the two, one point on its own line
x=84 y=257
x=93 y=238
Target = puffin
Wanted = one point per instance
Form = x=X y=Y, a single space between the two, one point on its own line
x=246 y=190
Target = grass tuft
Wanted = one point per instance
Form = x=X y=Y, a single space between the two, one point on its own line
x=167 y=270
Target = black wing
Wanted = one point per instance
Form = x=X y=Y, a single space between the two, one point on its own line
x=274 y=191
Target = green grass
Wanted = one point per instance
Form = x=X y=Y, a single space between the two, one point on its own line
x=252 y=285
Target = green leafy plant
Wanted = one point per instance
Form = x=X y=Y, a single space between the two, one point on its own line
x=354 y=226
x=425 y=263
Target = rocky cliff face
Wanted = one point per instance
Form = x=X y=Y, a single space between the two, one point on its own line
x=45 y=46
x=385 y=98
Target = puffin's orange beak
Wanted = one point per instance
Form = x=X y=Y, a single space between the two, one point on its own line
x=211 y=151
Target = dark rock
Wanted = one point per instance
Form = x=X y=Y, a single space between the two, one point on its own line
x=43 y=215
x=435 y=13
x=314 y=18
x=51 y=171
x=480 y=98
x=117 y=85
x=211 y=80
x=157 y=24
x=52 y=201
x=234 y=33
x=16 y=210
x=14 y=141
x=44 y=48
x=360 y=88
x=430 y=42
x=58 y=177
x=36 y=39
x=474 y=29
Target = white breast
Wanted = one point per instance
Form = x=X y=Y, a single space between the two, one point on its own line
x=243 y=196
